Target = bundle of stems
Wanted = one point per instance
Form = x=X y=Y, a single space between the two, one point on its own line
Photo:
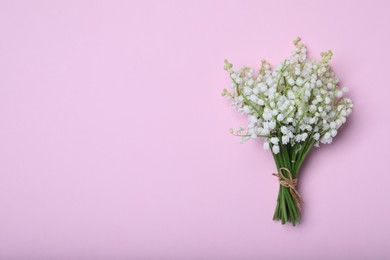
x=291 y=158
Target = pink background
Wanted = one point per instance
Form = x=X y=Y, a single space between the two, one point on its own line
x=114 y=139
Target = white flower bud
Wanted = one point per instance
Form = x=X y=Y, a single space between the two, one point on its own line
x=285 y=139
x=275 y=149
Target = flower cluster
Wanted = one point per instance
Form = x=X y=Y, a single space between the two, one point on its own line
x=296 y=101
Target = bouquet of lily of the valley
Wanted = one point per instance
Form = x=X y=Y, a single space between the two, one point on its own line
x=293 y=107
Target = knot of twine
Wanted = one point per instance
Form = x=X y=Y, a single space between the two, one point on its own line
x=290 y=183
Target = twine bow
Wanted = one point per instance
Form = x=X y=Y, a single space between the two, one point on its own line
x=290 y=183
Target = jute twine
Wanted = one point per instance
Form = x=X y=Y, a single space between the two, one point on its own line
x=290 y=183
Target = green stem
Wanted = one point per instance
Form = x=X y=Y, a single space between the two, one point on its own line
x=286 y=208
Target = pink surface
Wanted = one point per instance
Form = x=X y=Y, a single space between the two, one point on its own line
x=114 y=139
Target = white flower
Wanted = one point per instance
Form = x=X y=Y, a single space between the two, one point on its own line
x=247 y=91
x=272 y=125
x=339 y=93
x=264 y=131
x=299 y=81
x=327 y=135
x=290 y=94
x=267 y=116
x=253 y=98
x=262 y=87
x=275 y=149
x=253 y=119
x=274 y=140
x=260 y=102
x=284 y=130
x=266 y=146
x=270 y=82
